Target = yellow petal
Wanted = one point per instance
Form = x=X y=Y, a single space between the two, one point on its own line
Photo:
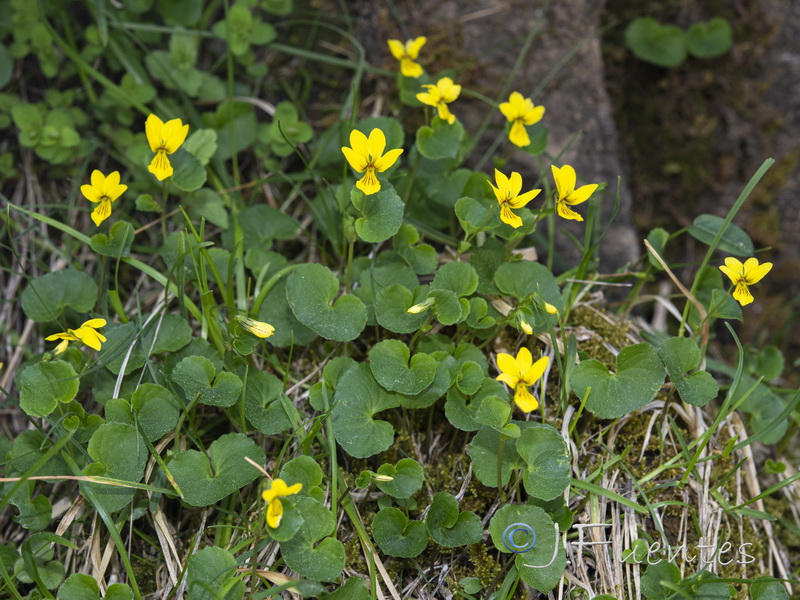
x=733 y=275
x=160 y=166
x=534 y=115
x=536 y=370
x=427 y=98
x=524 y=360
x=566 y=212
x=90 y=337
x=522 y=200
x=358 y=142
x=94 y=323
x=91 y=193
x=502 y=184
x=369 y=184
x=60 y=336
x=413 y=46
x=552 y=310
x=742 y=294
x=174 y=134
x=397 y=48
x=582 y=194
x=445 y=114
x=274 y=513
x=153 y=128
x=753 y=272
x=508 y=110
x=508 y=217
x=524 y=399
x=61 y=347
x=507 y=364
x=519 y=135
x=98 y=179
x=514 y=184
x=376 y=144
x=387 y=160
x=565 y=180
x=357 y=161
x=410 y=69
x=101 y=212
x=735 y=265
x=509 y=380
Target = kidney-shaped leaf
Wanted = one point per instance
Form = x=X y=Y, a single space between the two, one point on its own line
x=389 y=362
x=44 y=385
x=546 y=471
x=119 y=452
x=47 y=296
x=449 y=527
x=679 y=355
x=639 y=376
x=323 y=561
x=397 y=536
x=407 y=477
x=523 y=277
x=357 y=400
x=205 y=480
x=310 y=291
x=381 y=213
x=195 y=376
x=210 y=570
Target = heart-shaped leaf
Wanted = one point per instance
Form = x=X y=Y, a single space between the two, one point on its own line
x=358 y=399
x=321 y=561
x=263 y=405
x=381 y=213
x=44 y=385
x=680 y=355
x=437 y=389
x=397 y=536
x=655 y=578
x=450 y=528
x=119 y=452
x=457 y=277
x=441 y=139
x=707 y=40
x=470 y=377
x=208 y=572
x=310 y=291
x=47 y=296
x=389 y=363
x=189 y=173
x=540 y=554
x=84 y=587
x=205 y=480
x=392 y=304
x=462 y=411
x=522 y=277
x=476 y=215
x=173 y=334
x=117 y=243
x=639 y=376
x=195 y=376
x=275 y=310
x=650 y=41
x=484 y=451
x=547 y=469
x=156 y=410
x=407 y=477
x=422 y=257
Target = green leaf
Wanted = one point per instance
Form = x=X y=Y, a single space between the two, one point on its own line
x=437 y=389
x=381 y=213
x=639 y=376
x=210 y=571
x=457 y=277
x=392 y=304
x=202 y=144
x=484 y=450
x=84 y=587
x=323 y=561
x=119 y=452
x=275 y=310
x=263 y=405
x=493 y=412
x=195 y=376
x=407 y=478
x=353 y=589
x=44 y=385
x=470 y=378
x=441 y=140
x=310 y=290
x=205 y=480
x=145 y=203
x=209 y=205
x=547 y=469
x=522 y=277
x=6 y=66
x=391 y=128
x=47 y=296
x=662 y=45
x=422 y=257
x=302 y=469
x=450 y=528
x=358 y=399
x=27 y=116
x=389 y=362
x=189 y=173
x=707 y=40
x=538 y=134
x=656 y=576
x=734 y=241
x=658 y=239
x=173 y=334
x=680 y=355
x=723 y=306
x=766 y=588
x=157 y=410
x=540 y=554
x=464 y=415
x=117 y=244
x=449 y=308
x=397 y=536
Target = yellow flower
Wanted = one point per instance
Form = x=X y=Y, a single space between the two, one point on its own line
x=520 y=111
x=257 y=328
x=567 y=194
x=103 y=191
x=164 y=138
x=551 y=310
x=86 y=333
x=407 y=53
x=518 y=373
x=507 y=194
x=367 y=155
x=742 y=275
x=274 y=506
x=440 y=95
x=524 y=325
